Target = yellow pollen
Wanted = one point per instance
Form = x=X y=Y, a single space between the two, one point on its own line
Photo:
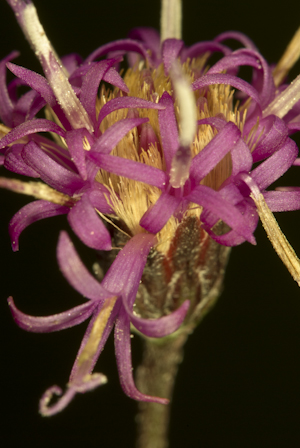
x=131 y=199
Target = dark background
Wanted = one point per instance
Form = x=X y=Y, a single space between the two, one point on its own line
x=239 y=384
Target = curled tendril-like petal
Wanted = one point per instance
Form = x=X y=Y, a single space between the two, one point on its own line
x=88 y=383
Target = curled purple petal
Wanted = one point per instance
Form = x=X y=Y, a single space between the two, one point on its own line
x=113 y=77
x=15 y=163
x=90 y=86
x=50 y=171
x=282 y=201
x=76 y=373
x=30 y=213
x=159 y=328
x=241 y=158
x=6 y=104
x=213 y=201
x=203 y=47
x=55 y=322
x=240 y=37
x=157 y=217
x=123 y=45
x=61 y=404
x=75 y=142
x=88 y=226
x=31 y=127
x=111 y=137
x=123 y=355
x=35 y=81
x=168 y=128
x=97 y=196
x=130 y=169
x=275 y=133
x=276 y=165
x=89 y=383
x=170 y=51
x=151 y=40
x=233 y=81
x=214 y=151
x=75 y=271
x=126 y=271
x=127 y=102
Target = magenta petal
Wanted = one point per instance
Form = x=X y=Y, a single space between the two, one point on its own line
x=27 y=107
x=159 y=328
x=150 y=38
x=56 y=322
x=240 y=37
x=157 y=217
x=213 y=201
x=35 y=81
x=126 y=271
x=214 y=151
x=74 y=140
x=130 y=169
x=88 y=226
x=123 y=355
x=148 y=137
x=232 y=238
x=274 y=134
x=97 y=195
x=126 y=102
x=60 y=404
x=253 y=59
x=230 y=193
x=90 y=86
x=276 y=165
x=71 y=61
x=170 y=51
x=168 y=129
x=31 y=127
x=203 y=47
x=108 y=328
x=50 y=171
x=41 y=86
x=30 y=213
x=293 y=127
x=6 y=104
x=216 y=122
x=113 y=77
x=233 y=81
x=241 y=158
x=123 y=45
x=75 y=271
x=111 y=137
x=15 y=163
x=282 y=201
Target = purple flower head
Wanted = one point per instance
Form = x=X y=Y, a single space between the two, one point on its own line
x=160 y=165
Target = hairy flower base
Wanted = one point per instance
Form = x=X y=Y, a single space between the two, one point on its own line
x=169 y=165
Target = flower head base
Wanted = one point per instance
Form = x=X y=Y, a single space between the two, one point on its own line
x=165 y=157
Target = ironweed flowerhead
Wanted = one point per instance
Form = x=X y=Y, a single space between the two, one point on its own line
x=168 y=164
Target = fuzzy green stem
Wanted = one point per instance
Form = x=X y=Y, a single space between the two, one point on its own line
x=156 y=376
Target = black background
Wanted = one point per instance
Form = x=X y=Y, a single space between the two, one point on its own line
x=239 y=384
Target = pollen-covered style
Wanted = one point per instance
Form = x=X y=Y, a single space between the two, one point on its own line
x=157 y=171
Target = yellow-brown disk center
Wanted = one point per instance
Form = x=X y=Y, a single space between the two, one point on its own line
x=131 y=199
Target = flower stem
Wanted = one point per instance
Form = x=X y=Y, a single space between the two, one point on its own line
x=156 y=376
